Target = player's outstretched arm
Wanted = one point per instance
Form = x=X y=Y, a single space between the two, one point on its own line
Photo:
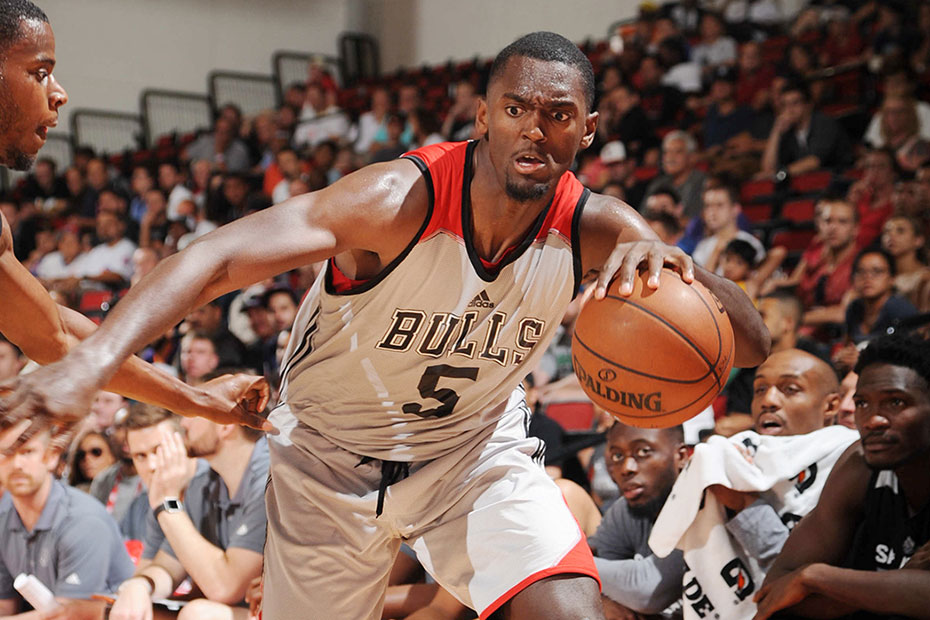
x=377 y=210
x=616 y=242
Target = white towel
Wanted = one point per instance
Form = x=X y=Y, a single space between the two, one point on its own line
x=788 y=472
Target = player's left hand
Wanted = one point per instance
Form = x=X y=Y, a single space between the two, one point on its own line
x=626 y=259
x=234 y=399
x=173 y=469
x=782 y=593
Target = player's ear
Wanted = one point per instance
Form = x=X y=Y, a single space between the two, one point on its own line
x=831 y=407
x=590 y=129
x=481 y=117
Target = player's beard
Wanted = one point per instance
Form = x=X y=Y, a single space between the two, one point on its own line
x=9 y=112
x=651 y=508
x=515 y=191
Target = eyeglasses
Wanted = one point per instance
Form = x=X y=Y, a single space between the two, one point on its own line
x=94 y=452
x=874 y=273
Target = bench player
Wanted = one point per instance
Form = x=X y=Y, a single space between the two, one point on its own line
x=402 y=415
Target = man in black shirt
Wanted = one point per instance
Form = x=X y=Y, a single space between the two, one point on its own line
x=866 y=546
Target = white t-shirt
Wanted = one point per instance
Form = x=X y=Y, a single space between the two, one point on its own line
x=705 y=248
x=721 y=51
x=53 y=267
x=116 y=258
x=873 y=135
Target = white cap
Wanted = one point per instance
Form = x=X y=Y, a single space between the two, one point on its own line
x=613 y=152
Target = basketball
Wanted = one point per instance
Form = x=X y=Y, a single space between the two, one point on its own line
x=655 y=358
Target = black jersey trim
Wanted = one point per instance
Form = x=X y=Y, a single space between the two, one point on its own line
x=380 y=276
x=576 y=239
x=303 y=350
x=483 y=273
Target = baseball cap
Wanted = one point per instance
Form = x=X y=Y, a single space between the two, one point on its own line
x=613 y=152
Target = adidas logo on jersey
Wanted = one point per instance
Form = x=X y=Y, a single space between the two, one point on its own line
x=481 y=300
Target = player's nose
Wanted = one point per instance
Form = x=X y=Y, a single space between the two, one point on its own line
x=57 y=96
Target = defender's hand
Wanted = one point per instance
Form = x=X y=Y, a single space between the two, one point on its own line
x=235 y=399
x=626 y=259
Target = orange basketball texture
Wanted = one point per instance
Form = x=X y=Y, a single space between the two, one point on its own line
x=655 y=358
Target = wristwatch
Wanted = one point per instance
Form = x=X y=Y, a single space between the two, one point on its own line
x=171 y=504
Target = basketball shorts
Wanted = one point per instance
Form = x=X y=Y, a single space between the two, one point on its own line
x=485 y=521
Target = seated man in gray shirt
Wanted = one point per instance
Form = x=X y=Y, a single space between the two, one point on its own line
x=644 y=463
x=62 y=536
x=213 y=523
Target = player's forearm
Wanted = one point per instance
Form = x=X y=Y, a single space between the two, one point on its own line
x=207 y=564
x=896 y=592
x=752 y=338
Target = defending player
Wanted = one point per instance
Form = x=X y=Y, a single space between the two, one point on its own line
x=29 y=101
x=402 y=414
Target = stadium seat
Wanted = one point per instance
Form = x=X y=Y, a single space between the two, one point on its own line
x=798 y=211
x=572 y=416
x=793 y=239
x=755 y=191
x=811 y=182
x=645 y=173
x=758 y=213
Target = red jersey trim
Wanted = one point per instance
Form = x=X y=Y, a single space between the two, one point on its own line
x=577 y=561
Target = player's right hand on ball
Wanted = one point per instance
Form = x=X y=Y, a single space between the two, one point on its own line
x=235 y=399
x=133 y=603
x=50 y=398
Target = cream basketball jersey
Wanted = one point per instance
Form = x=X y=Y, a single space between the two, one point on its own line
x=405 y=366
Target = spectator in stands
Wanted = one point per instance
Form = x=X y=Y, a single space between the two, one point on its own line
x=110 y=262
x=60 y=269
x=662 y=103
x=59 y=534
x=686 y=14
x=216 y=534
x=803 y=139
x=45 y=188
x=82 y=203
x=460 y=118
x=871 y=195
x=91 y=455
x=679 y=173
x=153 y=227
x=320 y=119
x=143 y=261
x=281 y=303
x=900 y=131
x=898 y=84
x=261 y=353
x=846 y=415
x=824 y=273
x=754 y=80
x=392 y=147
x=294 y=96
x=221 y=147
x=714 y=48
x=97 y=176
x=665 y=225
x=725 y=118
x=201 y=173
x=872 y=516
x=291 y=168
x=644 y=464
x=140 y=182
x=904 y=239
x=198 y=357
x=720 y=214
x=171 y=182
x=210 y=320
x=105 y=410
x=680 y=72
x=664 y=199
x=372 y=125
x=876 y=307
x=842 y=44
x=11 y=359
x=423 y=128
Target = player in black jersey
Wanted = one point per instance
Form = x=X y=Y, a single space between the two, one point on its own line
x=866 y=546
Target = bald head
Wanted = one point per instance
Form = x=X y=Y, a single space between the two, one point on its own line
x=794 y=393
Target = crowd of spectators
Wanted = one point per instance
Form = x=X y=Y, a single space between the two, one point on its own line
x=787 y=152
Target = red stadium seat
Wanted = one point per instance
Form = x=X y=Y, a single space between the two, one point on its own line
x=810 y=182
x=758 y=212
x=798 y=211
x=572 y=416
x=794 y=240
x=645 y=173
x=752 y=191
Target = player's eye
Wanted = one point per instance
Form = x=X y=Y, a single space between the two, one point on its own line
x=616 y=457
x=560 y=116
x=643 y=453
x=512 y=110
x=791 y=389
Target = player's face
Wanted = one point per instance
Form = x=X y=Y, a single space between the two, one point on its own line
x=846 y=416
x=25 y=471
x=535 y=120
x=787 y=395
x=143 y=446
x=30 y=96
x=644 y=464
x=892 y=415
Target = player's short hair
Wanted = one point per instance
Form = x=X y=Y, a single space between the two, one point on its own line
x=144 y=415
x=906 y=350
x=788 y=302
x=549 y=47
x=675 y=433
x=742 y=249
x=12 y=14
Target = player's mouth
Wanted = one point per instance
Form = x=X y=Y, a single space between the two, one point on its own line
x=769 y=424
x=875 y=444
x=633 y=491
x=529 y=163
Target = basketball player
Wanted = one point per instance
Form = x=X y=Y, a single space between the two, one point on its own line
x=29 y=101
x=402 y=414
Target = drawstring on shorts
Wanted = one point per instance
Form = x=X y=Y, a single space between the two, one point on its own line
x=391 y=472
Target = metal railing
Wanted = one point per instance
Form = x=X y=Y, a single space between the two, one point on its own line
x=290 y=67
x=167 y=112
x=361 y=58
x=250 y=92
x=106 y=132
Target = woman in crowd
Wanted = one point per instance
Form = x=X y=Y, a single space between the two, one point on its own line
x=876 y=306
x=92 y=456
x=904 y=240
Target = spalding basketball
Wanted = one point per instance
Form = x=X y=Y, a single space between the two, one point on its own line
x=655 y=358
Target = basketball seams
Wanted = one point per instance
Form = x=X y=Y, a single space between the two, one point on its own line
x=638 y=372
